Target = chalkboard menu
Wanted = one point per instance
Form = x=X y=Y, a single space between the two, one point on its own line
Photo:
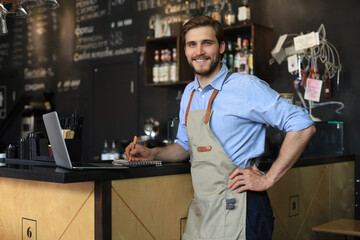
x=63 y=51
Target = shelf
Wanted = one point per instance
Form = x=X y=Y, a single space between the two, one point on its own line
x=261 y=38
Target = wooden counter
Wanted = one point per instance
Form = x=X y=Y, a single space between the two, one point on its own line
x=152 y=202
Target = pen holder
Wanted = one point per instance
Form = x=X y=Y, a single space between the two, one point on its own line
x=74 y=147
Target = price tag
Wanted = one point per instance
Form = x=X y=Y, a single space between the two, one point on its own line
x=313 y=89
x=292 y=63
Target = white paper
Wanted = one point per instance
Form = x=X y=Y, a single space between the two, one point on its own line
x=291 y=50
x=280 y=56
x=279 y=44
x=306 y=41
x=313 y=89
x=292 y=63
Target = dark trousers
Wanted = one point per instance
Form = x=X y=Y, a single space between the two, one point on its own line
x=259 y=216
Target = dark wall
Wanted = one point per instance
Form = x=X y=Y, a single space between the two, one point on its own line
x=62 y=51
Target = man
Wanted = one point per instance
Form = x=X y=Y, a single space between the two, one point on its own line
x=222 y=129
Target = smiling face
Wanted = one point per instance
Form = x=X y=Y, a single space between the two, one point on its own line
x=203 y=52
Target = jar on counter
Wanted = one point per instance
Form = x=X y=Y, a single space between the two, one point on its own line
x=288 y=96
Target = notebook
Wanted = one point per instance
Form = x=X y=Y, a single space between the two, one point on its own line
x=61 y=154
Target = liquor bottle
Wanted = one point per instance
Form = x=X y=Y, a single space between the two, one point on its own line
x=251 y=60
x=105 y=154
x=230 y=56
x=215 y=14
x=229 y=17
x=156 y=67
x=244 y=13
x=168 y=64
x=173 y=67
x=237 y=56
x=165 y=77
x=244 y=67
x=225 y=58
x=114 y=151
x=161 y=67
x=199 y=11
x=187 y=15
x=164 y=66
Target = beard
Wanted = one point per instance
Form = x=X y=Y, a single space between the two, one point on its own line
x=205 y=71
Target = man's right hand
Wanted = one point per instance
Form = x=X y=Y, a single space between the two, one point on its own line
x=138 y=153
x=171 y=153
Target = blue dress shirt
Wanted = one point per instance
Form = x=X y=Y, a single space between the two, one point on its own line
x=241 y=110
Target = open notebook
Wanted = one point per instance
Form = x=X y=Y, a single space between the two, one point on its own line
x=61 y=154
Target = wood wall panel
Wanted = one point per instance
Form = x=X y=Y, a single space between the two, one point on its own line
x=61 y=211
x=325 y=193
x=150 y=208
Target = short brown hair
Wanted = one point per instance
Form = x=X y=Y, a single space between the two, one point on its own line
x=202 y=21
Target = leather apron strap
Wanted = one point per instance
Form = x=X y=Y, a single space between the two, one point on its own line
x=208 y=110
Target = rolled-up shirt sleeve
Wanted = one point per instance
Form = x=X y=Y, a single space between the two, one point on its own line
x=266 y=106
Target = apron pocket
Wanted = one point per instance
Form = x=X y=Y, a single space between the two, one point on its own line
x=236 y=217
x=206 y=218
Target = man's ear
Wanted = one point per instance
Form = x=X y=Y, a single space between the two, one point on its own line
x=222 y=47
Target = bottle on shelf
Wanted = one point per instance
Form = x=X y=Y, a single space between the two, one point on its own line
x=156 y=67
x=168 y=64
x=187 y=15
x=230 y=56
x=161 y=67
x=215 y=14
x=199 y=10
x=244 y=67
x=173 y=67
x=105 y=154
x=251 y=59
x=237 y=56
x=165 y=65
x=114 y=152
x=229 y=17
x=244 y=13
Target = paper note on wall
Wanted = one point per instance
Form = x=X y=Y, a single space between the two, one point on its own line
x=306 y=41
x=313 y=89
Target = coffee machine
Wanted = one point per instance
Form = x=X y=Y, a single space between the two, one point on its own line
x=31 y=119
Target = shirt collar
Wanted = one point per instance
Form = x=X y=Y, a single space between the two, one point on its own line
x=217 y=82
x=219 y=78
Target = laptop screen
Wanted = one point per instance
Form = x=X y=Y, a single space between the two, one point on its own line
x=58 y=146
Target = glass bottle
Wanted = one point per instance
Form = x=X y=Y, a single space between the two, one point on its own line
x=156 y=67
x=251 y=60
x=229 y=17
x=244 y=13
x=173 y=66
x=230 y=56
x=105 y=154
x=164 y=70
x=114 y=151
x=244 y=67
x=237 y=56
x=199 y=11
x=187 y=15
x=215 y=14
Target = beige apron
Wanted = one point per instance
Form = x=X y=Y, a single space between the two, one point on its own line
x=215 y=212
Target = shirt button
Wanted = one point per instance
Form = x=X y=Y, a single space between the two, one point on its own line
x=203 y=96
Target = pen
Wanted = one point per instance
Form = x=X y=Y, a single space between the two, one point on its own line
x=134 y=142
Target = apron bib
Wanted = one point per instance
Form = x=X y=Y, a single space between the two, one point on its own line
x=215 y=211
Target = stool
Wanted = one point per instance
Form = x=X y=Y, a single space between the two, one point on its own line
x=346 y=227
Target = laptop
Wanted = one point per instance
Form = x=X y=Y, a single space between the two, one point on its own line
x=60 y=151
